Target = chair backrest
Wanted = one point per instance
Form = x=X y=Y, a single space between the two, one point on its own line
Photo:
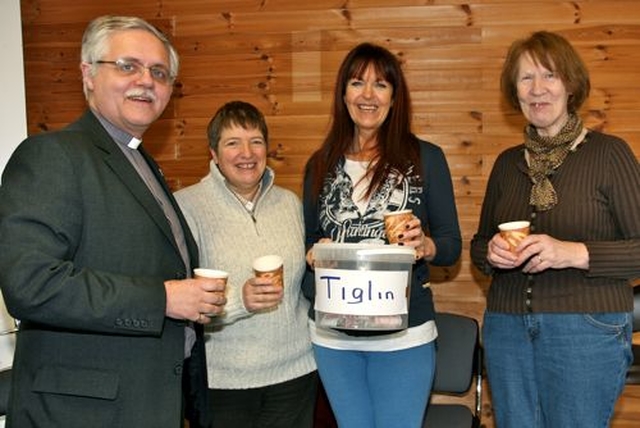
x=456 y=348
x=636 y=308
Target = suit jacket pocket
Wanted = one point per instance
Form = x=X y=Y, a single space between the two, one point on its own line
x=81 y=382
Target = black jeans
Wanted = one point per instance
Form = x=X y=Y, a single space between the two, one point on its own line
x=288 y=404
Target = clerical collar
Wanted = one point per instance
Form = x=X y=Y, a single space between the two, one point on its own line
x=121 y=137
x=134 y=143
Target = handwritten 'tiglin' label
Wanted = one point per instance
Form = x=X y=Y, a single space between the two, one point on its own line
x=354 y=292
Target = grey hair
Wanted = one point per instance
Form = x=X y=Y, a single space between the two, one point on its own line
x=96 y=37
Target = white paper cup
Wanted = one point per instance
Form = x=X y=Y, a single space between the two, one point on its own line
x=514 y=232
x=211 y=273
x=271 y=266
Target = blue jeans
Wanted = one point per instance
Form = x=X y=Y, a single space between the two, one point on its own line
x=377 y=389
x=556 y=370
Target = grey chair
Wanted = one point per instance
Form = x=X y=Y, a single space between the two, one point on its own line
x=633 y=375
x=5 y=387
x=458 y=369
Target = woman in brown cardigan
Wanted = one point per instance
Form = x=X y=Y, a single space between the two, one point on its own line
x=557 y=329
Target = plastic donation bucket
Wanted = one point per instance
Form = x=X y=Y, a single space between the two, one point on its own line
x=362 y=286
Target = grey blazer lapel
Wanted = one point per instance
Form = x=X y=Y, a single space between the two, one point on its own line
x=120 y=165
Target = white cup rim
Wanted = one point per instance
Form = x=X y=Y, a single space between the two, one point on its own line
x=267 y=263
x=513 y=225
x=211 y=273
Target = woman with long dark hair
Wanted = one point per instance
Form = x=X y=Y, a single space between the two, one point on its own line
x=371 y=163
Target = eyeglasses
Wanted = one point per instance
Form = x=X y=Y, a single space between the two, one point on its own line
x=130 y=67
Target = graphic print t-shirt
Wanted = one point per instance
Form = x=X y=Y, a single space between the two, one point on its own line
x=345 y=214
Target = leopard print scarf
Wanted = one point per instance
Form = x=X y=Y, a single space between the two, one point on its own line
x=546 y=154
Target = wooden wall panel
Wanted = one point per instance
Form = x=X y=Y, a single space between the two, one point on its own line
x=282 y=55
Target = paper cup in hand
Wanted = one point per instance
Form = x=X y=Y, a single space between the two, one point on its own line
x=270 y=266
x=395 y=224
x=513 y=232
x=214 y=274
x=211 y=273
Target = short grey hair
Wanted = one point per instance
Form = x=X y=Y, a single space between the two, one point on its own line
x=96 y=37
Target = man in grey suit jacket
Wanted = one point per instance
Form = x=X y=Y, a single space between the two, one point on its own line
x=95 y=255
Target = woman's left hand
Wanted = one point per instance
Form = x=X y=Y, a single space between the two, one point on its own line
x=414 y=237
x=543 y=252
x=260 y=294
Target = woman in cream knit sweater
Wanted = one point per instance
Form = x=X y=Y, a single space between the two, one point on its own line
x=260 y=364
